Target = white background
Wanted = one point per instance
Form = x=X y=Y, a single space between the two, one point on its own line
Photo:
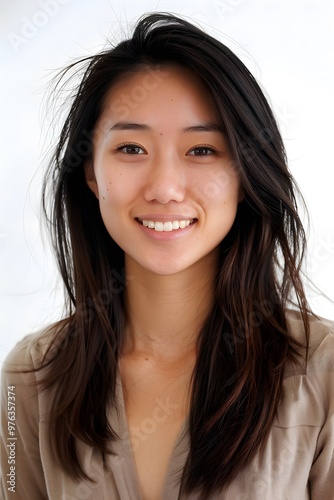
x=288 y=46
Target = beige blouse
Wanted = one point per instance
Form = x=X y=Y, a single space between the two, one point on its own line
x=297 y=462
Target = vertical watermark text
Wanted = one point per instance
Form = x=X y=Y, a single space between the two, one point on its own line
x=11 y=439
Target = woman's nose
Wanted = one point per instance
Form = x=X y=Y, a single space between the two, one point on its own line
x=166 y=180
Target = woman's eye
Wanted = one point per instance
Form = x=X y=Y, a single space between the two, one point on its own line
x=201 y=151
x=130 y=149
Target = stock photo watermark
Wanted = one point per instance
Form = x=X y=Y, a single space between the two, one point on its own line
x=11 y=438
x=139 y=93
x=285 y=118
x=30 y=27
x=225 y=7
x=163 y=410
x=322 y=251
x=149 y=425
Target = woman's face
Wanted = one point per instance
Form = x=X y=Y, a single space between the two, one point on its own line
x=162 y=171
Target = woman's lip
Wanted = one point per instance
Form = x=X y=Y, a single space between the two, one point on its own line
x=165 y=217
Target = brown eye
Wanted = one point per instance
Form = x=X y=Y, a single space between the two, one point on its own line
x=201 y=151
x=130 y=149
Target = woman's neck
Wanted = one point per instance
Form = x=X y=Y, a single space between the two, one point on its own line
x=165 y=313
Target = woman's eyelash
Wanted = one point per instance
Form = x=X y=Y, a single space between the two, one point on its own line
x=130 y=148
x=203 y=148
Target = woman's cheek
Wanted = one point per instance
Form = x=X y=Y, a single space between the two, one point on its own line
x=111 y=185
x=216 y=186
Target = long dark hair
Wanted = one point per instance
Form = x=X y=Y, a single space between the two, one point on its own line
x=245 y=342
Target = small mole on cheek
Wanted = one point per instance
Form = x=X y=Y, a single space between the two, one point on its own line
x=103 y=197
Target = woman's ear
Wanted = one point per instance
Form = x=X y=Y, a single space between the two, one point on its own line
x=241 y=196
x=90 y=178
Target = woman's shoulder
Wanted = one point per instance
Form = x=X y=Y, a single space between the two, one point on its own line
x=30 y=351
x=319 y=327
x=321 y=340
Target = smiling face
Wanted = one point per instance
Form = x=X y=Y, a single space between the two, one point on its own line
x=162 y=171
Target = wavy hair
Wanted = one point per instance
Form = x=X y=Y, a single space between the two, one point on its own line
x=245 y=342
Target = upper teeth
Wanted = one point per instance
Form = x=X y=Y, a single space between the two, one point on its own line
x=167 y=226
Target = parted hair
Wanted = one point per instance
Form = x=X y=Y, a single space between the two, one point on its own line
x=245 y=343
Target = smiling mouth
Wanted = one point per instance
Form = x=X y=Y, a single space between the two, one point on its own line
x=166 y=226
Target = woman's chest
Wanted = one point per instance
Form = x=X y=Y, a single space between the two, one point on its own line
x=156 y=406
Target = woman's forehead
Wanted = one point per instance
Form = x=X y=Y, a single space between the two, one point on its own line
x=149 y=94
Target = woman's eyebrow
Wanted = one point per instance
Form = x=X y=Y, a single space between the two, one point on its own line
x=129 y=126
x=201 y=127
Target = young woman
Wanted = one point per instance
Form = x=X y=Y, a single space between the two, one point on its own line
x=182 y=369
